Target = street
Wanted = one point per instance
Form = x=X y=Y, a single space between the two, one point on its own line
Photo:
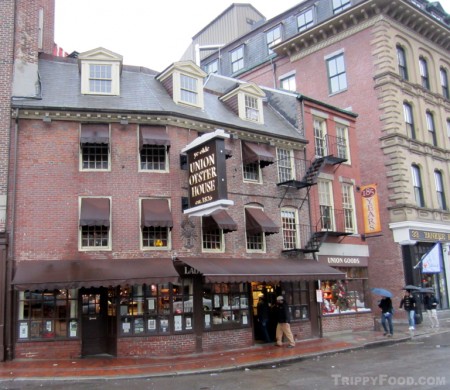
x=421 y=363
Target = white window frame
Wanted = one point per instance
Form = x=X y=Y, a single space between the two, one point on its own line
x=80 y=154
x=431 y=127
x=273 y=37
x=342 y=133
x=141 y=236
x=188 y=89
x=294 y=233
x=222 y=241
x=320 y=137
x=263 y=236
x=86 y=77
x=417 y=183
x=440 y=192
x=409 y=120
x=325 y=191
x=237 y=59
x=444 y=82
x=402 y=62
x=337 y=73
x=348 y=206
x=288 y=82
x=285 y=161
x=424 y=72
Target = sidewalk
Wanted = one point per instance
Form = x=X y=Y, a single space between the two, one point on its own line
x=264 y=354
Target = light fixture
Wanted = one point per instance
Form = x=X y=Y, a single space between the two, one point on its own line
x=46 y=118
x=124 y=120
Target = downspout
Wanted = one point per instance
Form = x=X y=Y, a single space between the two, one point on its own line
x=274 y=73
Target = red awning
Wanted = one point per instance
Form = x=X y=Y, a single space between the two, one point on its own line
x=220 y=219
x=94 y=133
x=153 y=135
x=94 y=212
x=156 y=212
x=257 y=221
x=257 y=153
x=226 y=270
x=51 y=274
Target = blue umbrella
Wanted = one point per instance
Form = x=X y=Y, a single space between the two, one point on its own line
x=381 y=291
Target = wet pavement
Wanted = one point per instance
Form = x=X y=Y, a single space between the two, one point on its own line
x=258 y=355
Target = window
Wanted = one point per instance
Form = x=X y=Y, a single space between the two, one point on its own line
x=212 y=67
x=156 y=223
x=417 y=186
x=189 y=89
x=409 y=120
x=326 y=205
x=251 y=108
x=348 y=205
x=290 y=232
x=154 y=144
x=100 y=78
x=273 y=37
x=48 y=314
x=343 y=150
x=424 y=76
x=257 y=226
x=340 y=5
x=212 y=238
x=94 y=147
x=251 y=172
x=285 y=165
x=448 y=128
x=237 y=59
x=444 y=83
x=305 y=20
x=254 y=158
x=337 y=77
x=297 y=297
x=431 y=128
x=288 y=83
x=227 y=305
x=95 y=217
x=402 y=66
x=440 y=190
x=320 y=133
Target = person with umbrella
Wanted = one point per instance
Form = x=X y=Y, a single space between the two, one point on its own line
x=430 y=302
x=408 y=302
x=386 y=315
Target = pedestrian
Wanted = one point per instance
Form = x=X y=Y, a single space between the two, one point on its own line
x=263 y=311
x=409 y=304
x=387 y=312
x=283 y=318
x=430 y=302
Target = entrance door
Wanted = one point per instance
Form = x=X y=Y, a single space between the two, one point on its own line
x=94 y=321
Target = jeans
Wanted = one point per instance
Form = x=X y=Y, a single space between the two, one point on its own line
x=387 y=319
x=411 y=318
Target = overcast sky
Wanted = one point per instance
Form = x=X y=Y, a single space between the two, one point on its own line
x=149 y=33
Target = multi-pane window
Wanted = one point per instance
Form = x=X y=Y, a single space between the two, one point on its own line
x=153 y=157
x=320 y=135
x=94 y=146
x=156 y=223
x=237 y=59
x=431 y=127
x=273 y=37
x=251 y=108
x=348 y=205
x=340 y=5
x=255 y=241
x=48 y=314
x=155 y=237
x=448 y=128
x=409 y=120
x=424 y=75
x=94 y=236
x=444 y=83
x=100 y=78
x=289 y=225
x=251 y=172
x=297 y=297
x=440 y=190
x=305 y=20
x=94 y=223
x=402 y=65
x=342 y=142
x=337 y=76
x=285 y=165
x=212 y=67
x=288 y=83
x=189 y=89
x=326 y=205
x=212 y=237
x=417 y=186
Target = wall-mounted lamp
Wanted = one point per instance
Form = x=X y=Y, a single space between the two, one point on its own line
x=234 y=136
x=124 y=120
x=46 y=119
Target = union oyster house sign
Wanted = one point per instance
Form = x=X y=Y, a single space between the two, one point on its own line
x=207 y=180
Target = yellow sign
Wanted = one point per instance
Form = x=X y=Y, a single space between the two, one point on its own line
x=371 y=209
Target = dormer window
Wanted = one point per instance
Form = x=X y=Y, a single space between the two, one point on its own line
x=251 y=108
x=100 y=72
x=184 y=82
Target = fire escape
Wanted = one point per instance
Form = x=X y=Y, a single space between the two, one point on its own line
x=331 y=221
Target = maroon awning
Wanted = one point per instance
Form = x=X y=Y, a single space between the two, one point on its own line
x=220 y=219
x=94 y=133
x=153 y=135
x=257 y=221
x=156 y=212
x=94 y=212
x=51 y=274
x=226 y=270
x=257 y=153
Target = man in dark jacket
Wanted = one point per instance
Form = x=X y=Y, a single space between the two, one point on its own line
x=409 y=304
x=386 y=316
x=430 y=303
x=283 y=323
x=263 y=318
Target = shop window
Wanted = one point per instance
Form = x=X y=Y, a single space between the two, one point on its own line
x=48 y=315
x=94 y=147
x=297 y=297
x=226 y=305
x=346 y=296
x=156 y=309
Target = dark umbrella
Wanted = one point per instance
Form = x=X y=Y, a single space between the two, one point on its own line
x=381 y=291
x=425 y=290
x=410 y=287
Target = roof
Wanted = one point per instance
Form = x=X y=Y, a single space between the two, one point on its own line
x=141 y=92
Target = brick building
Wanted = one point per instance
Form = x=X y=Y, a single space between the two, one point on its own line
x=389 y=62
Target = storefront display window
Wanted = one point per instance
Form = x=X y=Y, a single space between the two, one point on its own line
x=226 y=305
x=346 y=296
x=297 y=298
x=156 y=309
x=48 y=314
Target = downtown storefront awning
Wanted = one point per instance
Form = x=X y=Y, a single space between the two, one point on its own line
x=221 y=270
x=54 y=274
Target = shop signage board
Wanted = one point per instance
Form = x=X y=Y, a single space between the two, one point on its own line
x=345 y=261
x=429 y=236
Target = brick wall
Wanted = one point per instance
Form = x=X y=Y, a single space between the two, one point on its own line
x=48 y=350
x=343 y=322
x=156 y=345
